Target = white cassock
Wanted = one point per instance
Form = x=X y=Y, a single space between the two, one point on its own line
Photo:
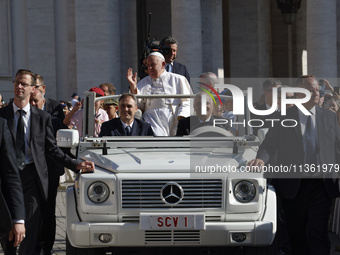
x=162 y=113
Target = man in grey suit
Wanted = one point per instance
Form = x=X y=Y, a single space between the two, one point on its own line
x=126 y=124
x=12 y=208
x=32 y=134
x=306 y=196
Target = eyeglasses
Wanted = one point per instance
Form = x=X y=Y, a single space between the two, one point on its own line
x=37 y=86
x=16 y=84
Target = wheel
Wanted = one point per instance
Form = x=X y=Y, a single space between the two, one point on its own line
x=70 y=250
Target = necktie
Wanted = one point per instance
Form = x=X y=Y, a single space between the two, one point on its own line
x=167 y=68
x=20 y=142
x=128 y=130
x=310 y=143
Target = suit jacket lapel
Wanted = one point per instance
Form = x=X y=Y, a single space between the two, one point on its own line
x=135 y=128
x=34 y=122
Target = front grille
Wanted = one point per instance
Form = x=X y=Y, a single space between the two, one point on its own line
x=215 y=218
x=197 y=193
x=130 y=219
x=172 y=237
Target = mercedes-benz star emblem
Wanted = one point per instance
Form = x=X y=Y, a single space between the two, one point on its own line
x=172 y=193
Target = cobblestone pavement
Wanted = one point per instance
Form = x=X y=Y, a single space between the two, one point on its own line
x=60 y=244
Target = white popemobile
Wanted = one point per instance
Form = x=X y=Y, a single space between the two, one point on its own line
x=192 y=191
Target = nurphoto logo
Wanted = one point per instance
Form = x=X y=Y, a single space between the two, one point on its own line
x=239 y=105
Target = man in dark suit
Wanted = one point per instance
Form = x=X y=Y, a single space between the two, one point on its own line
x=126 y=124
x=51 y=106
x=55 y=170
x=12 y=208
x=306 y=196
x=171 y=65
x=32 y=133
x=186 y=125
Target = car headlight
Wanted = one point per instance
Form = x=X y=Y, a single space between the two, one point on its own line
x=244 y=191
x=98 y=192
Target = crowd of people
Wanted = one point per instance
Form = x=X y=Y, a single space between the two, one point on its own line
x=29 y=122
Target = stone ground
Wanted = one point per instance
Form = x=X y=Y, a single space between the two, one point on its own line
x=60 y=244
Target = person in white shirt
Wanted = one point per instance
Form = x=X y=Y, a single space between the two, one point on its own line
x=162 y=114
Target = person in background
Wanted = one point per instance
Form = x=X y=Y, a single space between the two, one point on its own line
x=187 y=125
x=173 y=66
x=208 y=79
x=75 y=99
x=334 y=105
x=55 y=170
x=37 y=99
x=108 y=88
x=111 y=108
x=218 y=110
x=126 y=124
x=51 y=106
x=67 y=121
x=326 y=93
x=289 y=95
x=65 y=108
x=76 y=116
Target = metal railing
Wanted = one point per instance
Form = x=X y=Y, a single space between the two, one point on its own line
x=90 y=99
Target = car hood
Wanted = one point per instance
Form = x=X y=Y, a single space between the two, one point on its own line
x=165 y=159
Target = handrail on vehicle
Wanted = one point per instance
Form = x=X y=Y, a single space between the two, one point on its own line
x=90 y=99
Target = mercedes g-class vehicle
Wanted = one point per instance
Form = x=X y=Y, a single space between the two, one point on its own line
x=159 y=193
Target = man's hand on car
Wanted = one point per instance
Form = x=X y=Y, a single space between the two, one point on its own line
x=86 y=167
x=256 y=165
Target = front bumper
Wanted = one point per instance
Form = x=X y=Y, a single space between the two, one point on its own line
x=86 y=234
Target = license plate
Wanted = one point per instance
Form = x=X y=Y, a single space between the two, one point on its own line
x=170 y=222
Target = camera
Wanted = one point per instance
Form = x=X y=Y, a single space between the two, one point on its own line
x=153 y=46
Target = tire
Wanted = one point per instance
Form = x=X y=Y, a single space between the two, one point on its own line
x=70 y=250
